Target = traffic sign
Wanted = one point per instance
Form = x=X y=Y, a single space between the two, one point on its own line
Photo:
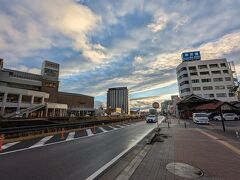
x=155 y=105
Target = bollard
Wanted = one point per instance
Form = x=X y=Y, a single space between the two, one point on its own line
x=168 y=124
x=237 y=135
x=185 y=124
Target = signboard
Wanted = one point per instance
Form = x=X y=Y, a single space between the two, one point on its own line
x=191 y=56
x=155 y=105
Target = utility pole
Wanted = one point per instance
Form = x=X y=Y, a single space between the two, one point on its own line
x=223 y=124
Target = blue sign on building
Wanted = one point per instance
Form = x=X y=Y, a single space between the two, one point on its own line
x=191 y=56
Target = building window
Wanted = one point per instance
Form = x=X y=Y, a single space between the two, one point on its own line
x=182 y=76
x=1 y=97
x=204 y=73
x=12 y=98
x=206 y=80
x=221 y=95
x=202 y=67
x=207 y=88
x=195 y=81
x=216 y=72
x=194 y=74
x=219 y=87
x=217 y=79
x=230 y=87
x=213 y=65
x=182 y=69
x=192 y=68
x=184 y=82
x=225 y=71
x=223 y=65
x=209 y=95
x=231 y=94
x=185 y=90
x=196 y=88
x=227 y=78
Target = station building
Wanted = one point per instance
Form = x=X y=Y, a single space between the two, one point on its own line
x=27 y=94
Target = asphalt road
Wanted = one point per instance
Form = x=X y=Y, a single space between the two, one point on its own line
x=76 y=159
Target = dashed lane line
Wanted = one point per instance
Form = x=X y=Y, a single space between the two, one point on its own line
x=41 y=142
x=5 y=146
x=113 y=127
x=89 y=132
x=103 y=130
x=70 y=136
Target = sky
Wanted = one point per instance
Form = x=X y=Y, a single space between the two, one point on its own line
x=105 y=43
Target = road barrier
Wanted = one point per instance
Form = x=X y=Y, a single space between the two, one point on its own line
x=25 y=131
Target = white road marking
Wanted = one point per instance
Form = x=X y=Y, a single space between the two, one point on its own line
x=89 y=132
x=103 y=168
x=41 y=142
x=5 y=146
x=112 y=127
x=54 y=143
x=70 y=136
x=120 y=126
x=103 y=130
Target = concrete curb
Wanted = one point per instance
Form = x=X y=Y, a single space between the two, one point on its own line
x=108 y=165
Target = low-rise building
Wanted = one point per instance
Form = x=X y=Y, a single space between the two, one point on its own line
x=24 y=94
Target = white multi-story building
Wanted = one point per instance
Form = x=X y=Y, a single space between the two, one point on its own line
x=118 y=98
x=211 y=79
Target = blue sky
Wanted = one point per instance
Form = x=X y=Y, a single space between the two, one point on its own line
x=102 y=44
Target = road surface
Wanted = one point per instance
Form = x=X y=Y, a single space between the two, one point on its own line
x=73 y=159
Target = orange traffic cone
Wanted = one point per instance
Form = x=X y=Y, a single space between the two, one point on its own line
x=94 y=129
x=62 y=135
x=1 y=141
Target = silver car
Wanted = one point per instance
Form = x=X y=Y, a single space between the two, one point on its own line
x=227 y=117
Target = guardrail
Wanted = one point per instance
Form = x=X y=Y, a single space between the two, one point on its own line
x=39 y=129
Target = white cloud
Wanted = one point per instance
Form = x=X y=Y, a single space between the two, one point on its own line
x=146 y=102
x=159 y=22
x=63 y=23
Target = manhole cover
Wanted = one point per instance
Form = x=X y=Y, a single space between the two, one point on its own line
x=184 y=170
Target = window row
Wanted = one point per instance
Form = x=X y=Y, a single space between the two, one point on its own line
x=208 y=73
x=205 y=66
x=211 y=80
x=211 y=88
x=219 y=95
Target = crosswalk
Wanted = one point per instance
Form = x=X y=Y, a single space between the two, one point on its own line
x=13 y=146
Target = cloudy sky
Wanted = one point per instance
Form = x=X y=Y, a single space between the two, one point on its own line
x=106 y=43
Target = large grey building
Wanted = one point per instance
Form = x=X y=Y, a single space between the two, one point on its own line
x=211 y=79
x=118 y=98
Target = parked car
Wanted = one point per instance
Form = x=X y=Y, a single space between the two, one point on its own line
x=238 y=114
x=227 y=117
x=200 y=118
x=151 y=119
x=212 y=115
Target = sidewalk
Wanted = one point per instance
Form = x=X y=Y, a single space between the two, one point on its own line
x=217 y=157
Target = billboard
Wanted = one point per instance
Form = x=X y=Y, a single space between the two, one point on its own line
x=191 y=56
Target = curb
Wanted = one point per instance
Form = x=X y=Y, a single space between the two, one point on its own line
x=108 y=165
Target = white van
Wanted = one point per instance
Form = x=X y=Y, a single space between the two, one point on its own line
x=200 y=118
